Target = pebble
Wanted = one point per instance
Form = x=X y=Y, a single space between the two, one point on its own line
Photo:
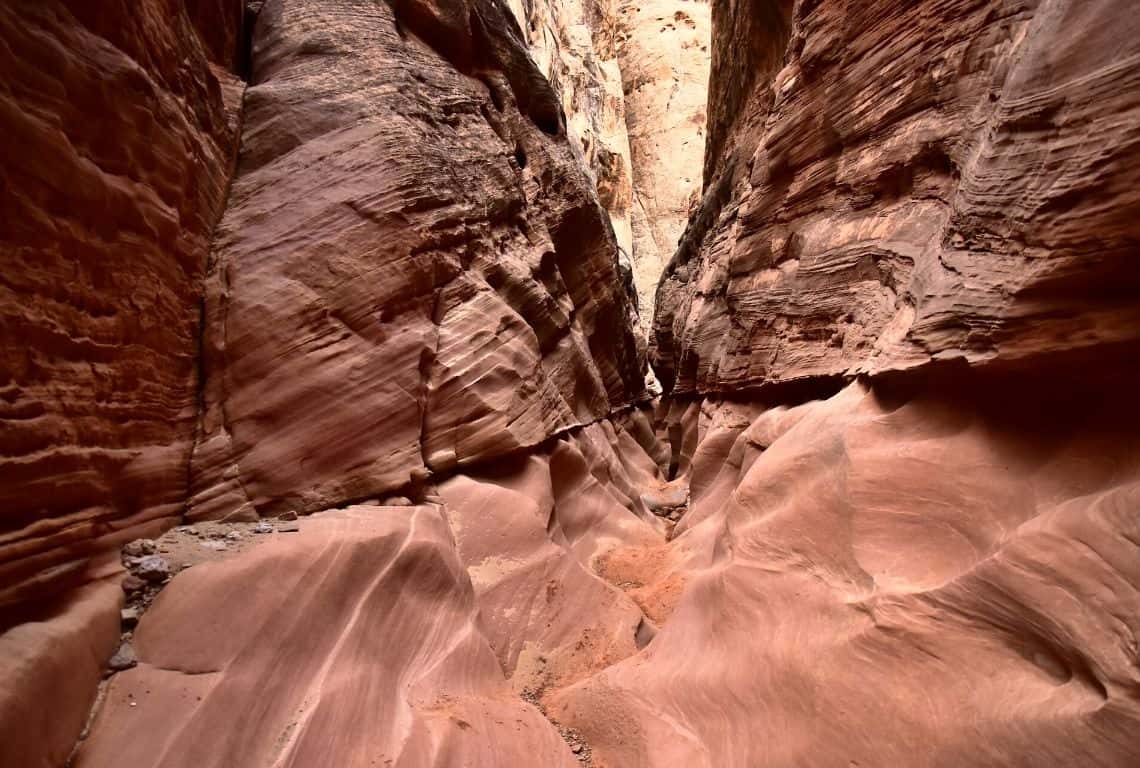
x=290 y=515
x=289 y=528
x=152 y=568
x=133 y=584
x=263 y=527
x=217 y=546
x=129 y=616
x=124 y=658
x=140 y=547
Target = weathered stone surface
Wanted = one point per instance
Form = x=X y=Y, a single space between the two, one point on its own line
x=890 y=184
x=632 y=78
x=119 y=132
x=932 y=578
x=412 y=273
x=375 y=658
x=574 y=45
x=663 y=50
x=51 y=665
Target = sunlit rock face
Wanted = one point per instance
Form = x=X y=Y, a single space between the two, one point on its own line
x=889 y=185
x=413 y=272
x=632 y=78
x=663 y=48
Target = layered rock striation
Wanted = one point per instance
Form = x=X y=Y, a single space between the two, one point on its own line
x=890 y=186
x=413 y=273
x=884 y=515
x=121 y=129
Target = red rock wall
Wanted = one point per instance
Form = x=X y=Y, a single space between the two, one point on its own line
x=119 y=133
x=413 y=272
x=905 y=183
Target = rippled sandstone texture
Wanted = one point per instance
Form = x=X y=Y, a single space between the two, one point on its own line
x=937 y=564
x=936 y=575
x=415 y=329
x=119 y=125
x=890 y=185
x=412 y=274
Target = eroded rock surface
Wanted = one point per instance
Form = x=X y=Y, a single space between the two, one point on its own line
x=412 y=274
x=890 y=184
x=938 y=577
x=632 y=77
x=119 y=133
x=663 y=49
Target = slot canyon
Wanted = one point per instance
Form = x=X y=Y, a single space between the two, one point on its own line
x=556 y=383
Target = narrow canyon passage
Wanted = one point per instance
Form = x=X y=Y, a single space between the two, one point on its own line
x=486 y=383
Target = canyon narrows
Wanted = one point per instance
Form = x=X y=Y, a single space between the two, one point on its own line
x=326 y=434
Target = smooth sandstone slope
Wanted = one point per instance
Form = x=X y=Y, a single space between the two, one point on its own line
x=937 y=577
x=413 y=273
x=936 y=566
x=396 y=635
x=888 y=185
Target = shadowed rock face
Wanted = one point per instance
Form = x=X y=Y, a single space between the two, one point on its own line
x=119 y=131
x=896 y=184
x=412 y=273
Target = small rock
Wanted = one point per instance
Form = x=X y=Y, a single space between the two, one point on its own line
x=124 y=658
x=140 y=547
x=289 y=515
x=215 y=534
x=153 y=568
x=214 y=544
x=263 y=527
x=398 y=501
x=233 y=536
x=189 y=530
x=576 y=749
x=129 y=616
x=289 y=528
x=132 y=584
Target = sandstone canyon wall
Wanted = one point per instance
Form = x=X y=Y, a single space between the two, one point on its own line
x=632 y=78
x=934 y=564
x=889 y=187
x=333 y=288
x=120 y=126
